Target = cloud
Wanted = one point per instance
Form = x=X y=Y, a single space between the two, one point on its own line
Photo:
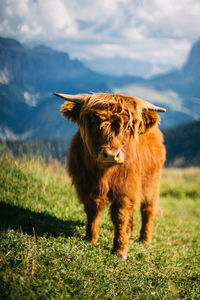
x=5 y=77
x=41 y=19
x=31 y=99
x=159 y=32
x=165 y=97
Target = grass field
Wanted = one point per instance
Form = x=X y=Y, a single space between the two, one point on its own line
x=43 y=254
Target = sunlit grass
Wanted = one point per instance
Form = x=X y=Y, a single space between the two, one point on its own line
x=43 y=253
x=181 y=183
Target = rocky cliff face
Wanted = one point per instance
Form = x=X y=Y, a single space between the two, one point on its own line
x=27 y=79
x=43 y=69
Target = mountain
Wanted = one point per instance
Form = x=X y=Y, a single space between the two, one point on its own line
x=43 y=69
x=185 y=81
x=29 y=76
x=178 y=91
x=27 y=79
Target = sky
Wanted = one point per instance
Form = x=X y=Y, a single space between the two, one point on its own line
x=157 y=34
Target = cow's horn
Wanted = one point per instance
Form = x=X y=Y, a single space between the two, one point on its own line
x=72 y=98
x=149 y=106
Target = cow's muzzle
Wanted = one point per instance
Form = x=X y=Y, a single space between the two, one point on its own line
x=109 y=156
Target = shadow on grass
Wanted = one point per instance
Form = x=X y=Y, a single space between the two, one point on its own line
x=30 y=222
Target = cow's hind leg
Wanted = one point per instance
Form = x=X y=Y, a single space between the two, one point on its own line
x=93 y=213
x=148 y=206
x=121 y=216
x=148 y=215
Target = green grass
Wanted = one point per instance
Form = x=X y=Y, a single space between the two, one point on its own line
x=43 y=254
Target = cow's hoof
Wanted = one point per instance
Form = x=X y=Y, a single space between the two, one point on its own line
x=120 y=254
x=144 y=241
x=92 y=240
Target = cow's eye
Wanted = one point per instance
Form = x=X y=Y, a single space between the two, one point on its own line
x=93 y=122
x=116 y=127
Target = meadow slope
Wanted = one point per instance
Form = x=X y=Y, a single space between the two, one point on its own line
x=43 y=253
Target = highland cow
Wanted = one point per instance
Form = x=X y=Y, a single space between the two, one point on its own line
x=115 y=157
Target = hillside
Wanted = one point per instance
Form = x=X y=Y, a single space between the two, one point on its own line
x=44 y=254
x=183 y=145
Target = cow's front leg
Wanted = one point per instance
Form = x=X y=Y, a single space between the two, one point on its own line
x=120 y=214
x=93 y=212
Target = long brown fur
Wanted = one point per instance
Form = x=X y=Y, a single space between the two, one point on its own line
x=116 y=122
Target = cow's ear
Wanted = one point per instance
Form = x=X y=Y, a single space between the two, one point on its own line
x=72 y=107
x=71 y=111
x=149 y=120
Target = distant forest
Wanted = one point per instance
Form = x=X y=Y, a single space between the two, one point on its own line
x=46 y=149
x=183 y=145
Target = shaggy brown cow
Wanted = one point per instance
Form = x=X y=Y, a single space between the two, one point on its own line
x=116 y=156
